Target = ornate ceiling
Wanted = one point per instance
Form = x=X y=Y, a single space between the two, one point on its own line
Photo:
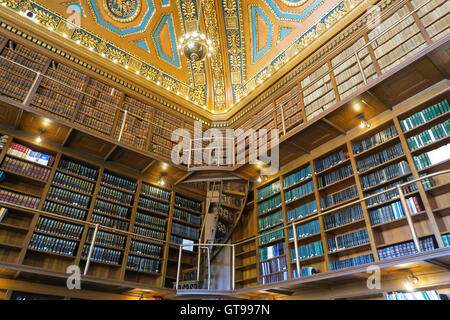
x=252 y=39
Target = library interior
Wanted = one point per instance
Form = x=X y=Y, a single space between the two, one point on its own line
x=224 y=149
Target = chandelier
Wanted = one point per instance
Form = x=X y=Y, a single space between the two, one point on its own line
x=194 y=45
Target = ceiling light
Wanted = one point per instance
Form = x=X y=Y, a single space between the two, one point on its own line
x=259 y=179
x=38 y=139
x=410 y=281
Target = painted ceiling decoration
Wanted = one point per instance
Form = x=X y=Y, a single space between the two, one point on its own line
x=251 y=39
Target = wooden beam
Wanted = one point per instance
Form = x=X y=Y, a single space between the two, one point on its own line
x=18 y=118
x=187 y=175
x=67 y=137
x=297 y=146
x=339 y=129
x=148 y=166
x=110 y=152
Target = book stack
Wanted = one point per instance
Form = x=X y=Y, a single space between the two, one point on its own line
x=3 y=140
x=110 y=222
x=305 y=230
x=426 y=137
x=270 y=252
x=143 y=264
x=19 y=199
x=186 y=216
x=419 y=295
x=53 y=102
x=147 y=249
x=188 y=203
x=115 y=195
x=406 y=248
x=149 y=233
x=379 y=158
x=23 y=152
x=152 y=191
x=339 y=197
x=111 y=209
x=107 y=239
x=391 y=172
x=308 y=251
x=351 y=262
x=26 y=168
x=150 y=221
x=425 y=115
x=433 y=157
x=57 y=86
x=24 y=56
x=273 y=265
x=291 y=105
x=137 y=107
x=304 y=272
x=68 y=197
x=428 y=182
x=277 y=277
x=270 y=220
x=3 y=212
x=348 y=240
x=153 y=205
x=334 y=176
x=343 y=217
x=302 y=211
x=185 y=230
x=120 y=183
x=65 y=211
x=394 y=211
x=54 y=245
x=331 y=160
x=446 y=239
x=393 y=194
x=375 y=140
x=70 y=182
x=297 y=177
x=271 y=235
x=299 y=192
x=102 y=255
x=59 y=228
x=269 y=204
x=267 y=191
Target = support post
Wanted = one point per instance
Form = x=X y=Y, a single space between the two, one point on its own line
x=91 y=250
x=408 y=218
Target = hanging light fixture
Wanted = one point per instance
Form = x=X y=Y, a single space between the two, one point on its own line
x=194 y=45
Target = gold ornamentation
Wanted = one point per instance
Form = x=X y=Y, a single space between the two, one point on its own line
x=85 y=39
x=45 y=18
x=235 y=62
x=117 y=55
x=230 y=7
x=11 y=3
x=189 y=10
x=122 y=10
x=294 y=4
x=148 y=72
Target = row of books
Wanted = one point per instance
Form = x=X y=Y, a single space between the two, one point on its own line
x=351 y=262
x=432 y=157
x=273 y=266
x=115 y=195
x=25 y=59
x=143 y=264
x=19 y=199
x=60 y=228
x=102 y=254
x=406 y=248
x=26 y=168
x=188 y=203
x=121 y=183
x=300 y=191
x=431 y=135
x=304 y=272
x=271 y=235
x=188 y=217
x=419 y=295
x=385 y=174
x=92 y=123
x=106 y=239
x=62 y=68
x=269 y=252
x=151 y=221
x=138 y=107
x=307 y=251
x=393 y=194
x=297 y=177
x=23 y=152
x=333 y=159
x=8 y=66
x=375 y=140
x=13 y=87
x=185 y=230
x=68 y=197
x=446 y=239
x=63 y=210
x=339 y=197
x=267 y=191
x=109 y=222
x=378 y=158
x=3 y=140
x=149 y=233
x=64 y=180
x=60 y=88
x=305 y=230
x=3 y=212
x=105 y=91
x=334 y=176
x=77 y=169
x=425 y=115
x=54 y=102
x=348 y=240
x=277 y=277
x=302 y=211
x=269 y=204
x=155 y=192
x=343 y=217
x=395 y=211
x=51 y=244
x=111 y=209
x=270 y=220
x=153 y=205
x=146 y=249
x=91 y=103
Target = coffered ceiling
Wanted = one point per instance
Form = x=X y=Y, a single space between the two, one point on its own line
x=253 y=40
